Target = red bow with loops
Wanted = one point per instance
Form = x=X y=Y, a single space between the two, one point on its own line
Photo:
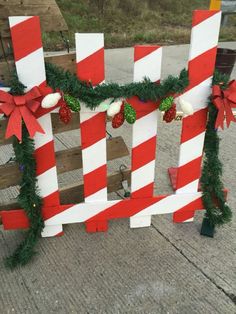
x=20 y=108
x=224 y=100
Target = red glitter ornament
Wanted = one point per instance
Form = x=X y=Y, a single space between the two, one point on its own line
x=170 y=114
x=65 y=113
x=118 y=120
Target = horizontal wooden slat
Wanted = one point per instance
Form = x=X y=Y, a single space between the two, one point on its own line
x=74 y=193
x=50 y=15
x=58 y=126
x=64 y=60
x=67 y=160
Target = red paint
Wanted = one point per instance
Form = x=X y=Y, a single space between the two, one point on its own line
x=202 y=67
x=95 y=180
x=194 y=125
x=142 y=108
x=93 y=130
x=143 y=153
x=146 y=191
x=188 y=172
x=186 y=212
x=91 y=69
x=200 y=16
x=142 y=51
x=45 y=158
x=26 y=37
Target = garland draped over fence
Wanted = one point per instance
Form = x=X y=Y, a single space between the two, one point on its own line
x=217 y=210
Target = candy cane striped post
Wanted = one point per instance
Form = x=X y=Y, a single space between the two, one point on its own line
x=147 y=63
x=29 y=60
x=90 y=68
x=203 y=48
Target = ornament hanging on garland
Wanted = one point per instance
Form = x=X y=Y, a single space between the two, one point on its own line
x=118 y=120
x=65 y=113
x=130 y=113
x=50 y=100
x=186 y=107
x=166 y=103
x=72 y=102
x=114 y=108
x=170 y=114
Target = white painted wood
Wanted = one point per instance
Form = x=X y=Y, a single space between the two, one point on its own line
x=88 y=44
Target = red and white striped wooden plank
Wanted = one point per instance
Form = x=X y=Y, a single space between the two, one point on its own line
x=203 y=47
x=29 y=61
x=90 y=68
x=137 y=207
x=87 y=212
x=147 y=63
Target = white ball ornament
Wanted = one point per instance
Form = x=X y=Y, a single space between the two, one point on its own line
x=186 y=107
x=50 y=100
x=114 y=108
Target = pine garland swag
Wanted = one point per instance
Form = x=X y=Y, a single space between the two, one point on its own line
x=218 y=211
x=28 y=198
x=68 y=83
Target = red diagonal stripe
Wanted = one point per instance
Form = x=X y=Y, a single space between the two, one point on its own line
x=142 y=107
x=142 y=51
x=93 y=130
x=202 y=15
x=26 y=37
x=146 y=191
x=126 y=208
x=201 y=67
x=95 y=180
x=91 y=69
x=43 y=164
x=186 y=212
x=52 y=199
x=194 y=125
x=188 y=172
x=143 y=153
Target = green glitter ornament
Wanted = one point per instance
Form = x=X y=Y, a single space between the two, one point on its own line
x=166 y=103
x=130 y=113
x=72 y=103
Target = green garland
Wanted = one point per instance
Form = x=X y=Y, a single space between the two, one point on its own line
x=217 y=210
x=28 y=198
x=57 y=78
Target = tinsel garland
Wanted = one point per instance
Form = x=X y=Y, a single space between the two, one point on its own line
x=217 y=210
x=28 y=197
x=68 y=83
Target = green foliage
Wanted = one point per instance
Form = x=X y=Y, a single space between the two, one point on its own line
x=28 y=199
x=217 y=210
x=57 y=78
x=129 y=22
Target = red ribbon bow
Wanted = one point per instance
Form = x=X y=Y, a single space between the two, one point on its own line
x=18 y=108
x=224 y=100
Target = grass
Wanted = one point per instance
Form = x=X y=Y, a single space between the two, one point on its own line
x=129 y=22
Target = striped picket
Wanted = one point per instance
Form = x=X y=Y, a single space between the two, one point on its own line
x=203 y=47
x=90 y=68
x=29 y=61
x=147 y=63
